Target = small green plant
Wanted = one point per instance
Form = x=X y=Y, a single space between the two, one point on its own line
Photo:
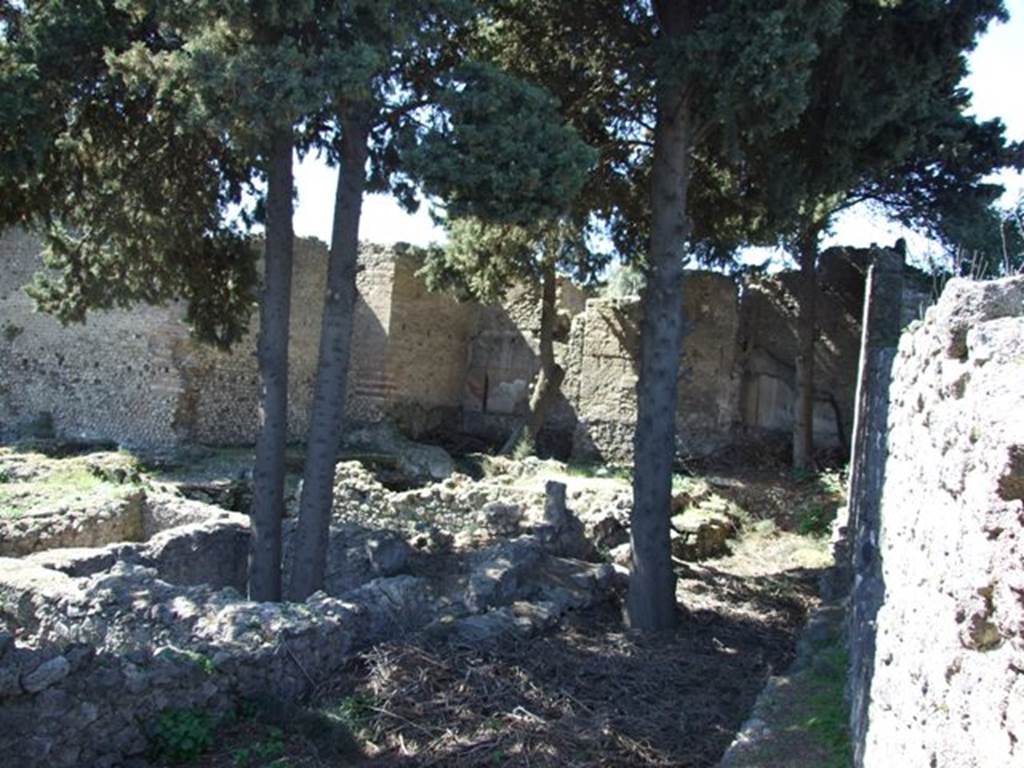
x=815 y=518
x=523 y=448
x=261 y=751
x=182 y=735
x=353 y=711
x=202 y=661
x=12 y=331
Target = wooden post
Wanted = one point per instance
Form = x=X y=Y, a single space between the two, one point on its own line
x=879 y=338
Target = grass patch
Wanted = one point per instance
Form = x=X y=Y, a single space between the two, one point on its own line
x=594 y=470
x=62 y=484
x=828 y=721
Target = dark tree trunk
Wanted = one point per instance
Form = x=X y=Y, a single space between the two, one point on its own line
x=807 y=331
x=551 y=374
x=651 y=602
x=310 y=553
x=268 y=473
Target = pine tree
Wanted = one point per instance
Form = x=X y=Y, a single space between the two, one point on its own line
x=885 y=123
x=662 y=90
x=489 y=144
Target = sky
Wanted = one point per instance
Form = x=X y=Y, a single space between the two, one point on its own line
x=996 y=68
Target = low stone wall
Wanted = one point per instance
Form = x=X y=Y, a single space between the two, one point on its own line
x=95 y=644
x=945 y=688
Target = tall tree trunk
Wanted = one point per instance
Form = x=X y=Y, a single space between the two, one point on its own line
x=807 y=331
x=651 y=601
x=551 y=374
x=310 y=555
x=268 y=472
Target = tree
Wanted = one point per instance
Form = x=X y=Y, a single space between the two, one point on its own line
x=653 y=87
x=885 y=123
x=984 y=243
x=117 y=231
x=488 y=143
x=717 y=67
x=156 y=119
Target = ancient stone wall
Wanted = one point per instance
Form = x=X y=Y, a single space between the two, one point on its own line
x=420 y=358
x=504 y=358
x=136 y=378
x=120 y=379
x=220 y=401
x=601 y=384
x=946 y=687
x=768 y=339
x=427 y=351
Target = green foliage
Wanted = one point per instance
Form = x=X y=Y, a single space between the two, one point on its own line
x=260 y=752
x=71 y=482
x=481 y=261
x=127 y=194
x=353 y=712
x=983 y=243
x=817 y=509
x=11 y=331
x=500 y=151
x=815 y=518
x=183 y=735
x=884 y=121
x=623 y=282
x=615 y=471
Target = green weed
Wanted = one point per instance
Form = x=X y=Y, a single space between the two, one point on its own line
x=182 y=735
x=261 y=751
x=354 y=712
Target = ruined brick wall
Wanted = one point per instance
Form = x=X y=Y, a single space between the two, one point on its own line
x=504 y=358
x=118 y=380
x=135 y=377
x=427 y=351
x=601 y=384
x=946 y=688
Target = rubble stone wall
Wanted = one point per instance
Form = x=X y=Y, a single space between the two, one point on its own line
x=136 y=377
x=946 y=687
x=603 y=371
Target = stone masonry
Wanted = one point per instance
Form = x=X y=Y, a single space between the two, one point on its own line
x=136 y=378
x=427 y=362
x=946 y=689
